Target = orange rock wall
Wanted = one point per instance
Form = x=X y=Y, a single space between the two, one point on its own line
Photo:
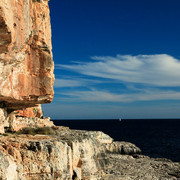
x=26 y=64
x=30 y=112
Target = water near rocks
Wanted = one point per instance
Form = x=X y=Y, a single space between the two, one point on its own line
x=156 y=138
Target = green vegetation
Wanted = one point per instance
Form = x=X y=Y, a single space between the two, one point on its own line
x=34 y=131
x=5 y=134
x=36 y=1
x=35 y=110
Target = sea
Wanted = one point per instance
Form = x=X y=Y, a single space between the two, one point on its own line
x=157 y=138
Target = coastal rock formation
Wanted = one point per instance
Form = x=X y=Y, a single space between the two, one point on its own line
x=75 y=154
x=26 y=81
x=26 y=64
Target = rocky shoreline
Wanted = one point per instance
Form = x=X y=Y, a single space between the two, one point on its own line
x=26 y=82
x=82 y=155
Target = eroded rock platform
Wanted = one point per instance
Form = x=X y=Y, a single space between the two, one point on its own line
x=75 y=154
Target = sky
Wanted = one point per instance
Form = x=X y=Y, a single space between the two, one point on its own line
x=115 y=59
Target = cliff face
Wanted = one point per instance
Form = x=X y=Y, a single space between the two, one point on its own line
x=78 y=155
x=26 y=65
x=26 y=80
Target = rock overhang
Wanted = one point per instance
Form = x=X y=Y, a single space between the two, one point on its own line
x=26 y=63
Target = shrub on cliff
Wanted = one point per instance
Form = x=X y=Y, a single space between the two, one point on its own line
x=34 y=131
x=36 y=1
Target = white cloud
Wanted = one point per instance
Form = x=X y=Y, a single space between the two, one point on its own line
x=156 y=70
x=105 y=96
x=153 y=72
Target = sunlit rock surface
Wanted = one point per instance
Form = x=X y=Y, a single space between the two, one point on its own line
x=26 y=81
x=80 y=155
x=26 y=65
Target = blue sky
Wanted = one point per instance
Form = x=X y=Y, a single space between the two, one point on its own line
x=115 y=59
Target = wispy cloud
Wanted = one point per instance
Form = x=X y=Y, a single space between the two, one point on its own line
x=124 y=78
x=156 y=70
x=94 y=95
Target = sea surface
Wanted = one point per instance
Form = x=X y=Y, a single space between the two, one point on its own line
x=158 y=138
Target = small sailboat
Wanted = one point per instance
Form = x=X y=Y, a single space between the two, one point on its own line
x=120 y=119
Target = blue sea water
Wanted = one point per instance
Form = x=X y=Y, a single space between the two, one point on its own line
x=159 y=138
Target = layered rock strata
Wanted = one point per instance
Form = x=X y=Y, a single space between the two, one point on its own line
x=26 y=81
x=18 y=119
x=26 y=64
x=83 y=155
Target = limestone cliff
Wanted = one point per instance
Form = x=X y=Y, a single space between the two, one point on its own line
x=26 y=81
x=26 y=64
x=78 y=155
